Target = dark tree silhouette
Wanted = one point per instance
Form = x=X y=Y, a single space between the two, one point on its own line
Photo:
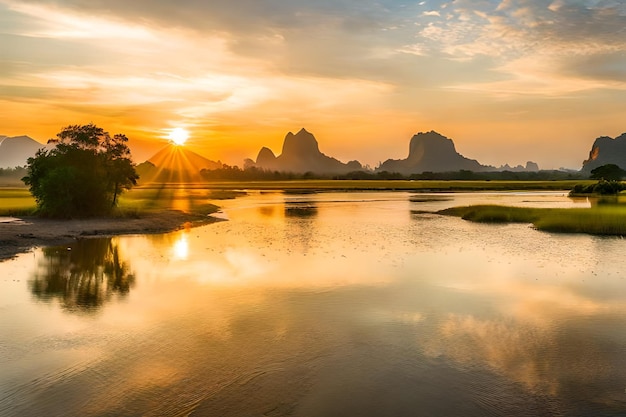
x=609 y=172
x=83 y=175
x=84 y=278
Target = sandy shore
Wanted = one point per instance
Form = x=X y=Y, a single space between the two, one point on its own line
x=18 y=235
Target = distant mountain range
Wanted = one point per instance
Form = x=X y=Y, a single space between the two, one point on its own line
x=15 y=151
x=301 y=154
x=428 y=151
x=606 y=150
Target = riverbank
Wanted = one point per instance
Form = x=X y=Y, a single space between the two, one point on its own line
x=19 y=235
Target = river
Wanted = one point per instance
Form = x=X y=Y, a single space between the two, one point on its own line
x=321 y=304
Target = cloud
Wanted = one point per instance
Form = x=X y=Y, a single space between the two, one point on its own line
x=420 y=62
x=350 y=39
x=553 y=49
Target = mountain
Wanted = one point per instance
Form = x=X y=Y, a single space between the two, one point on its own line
x=606 y=150
x=175 y=164
x=434 y=153
x=530 y=167
x=14 y=151
x=301 y=154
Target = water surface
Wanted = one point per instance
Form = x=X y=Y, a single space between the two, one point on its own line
x=330 y=304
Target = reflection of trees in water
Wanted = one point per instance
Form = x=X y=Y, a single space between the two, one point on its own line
x=84 y=277
x=300 y=217
x=300 y=209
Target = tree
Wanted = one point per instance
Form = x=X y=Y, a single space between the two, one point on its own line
x=609 y=172
x=83 y=175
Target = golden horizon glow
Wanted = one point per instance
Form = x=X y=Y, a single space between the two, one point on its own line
x=178 y=136
x=363 y=80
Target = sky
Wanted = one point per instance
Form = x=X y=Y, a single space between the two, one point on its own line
x=509 y=81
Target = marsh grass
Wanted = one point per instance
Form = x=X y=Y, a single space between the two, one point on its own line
x=16 y=202
x=493 y=214
x=598 y=220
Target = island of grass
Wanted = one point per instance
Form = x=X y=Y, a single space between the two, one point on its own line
x=599 y=220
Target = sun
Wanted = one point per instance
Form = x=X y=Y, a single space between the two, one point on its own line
x=179 y=136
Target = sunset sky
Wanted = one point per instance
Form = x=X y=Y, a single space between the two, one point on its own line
x=508 y=81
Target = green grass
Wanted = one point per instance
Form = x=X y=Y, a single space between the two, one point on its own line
x=494 y=214
x=596 y=221
x=600 y=220
x=191 y=200
x=16 y=202
x=19 y=201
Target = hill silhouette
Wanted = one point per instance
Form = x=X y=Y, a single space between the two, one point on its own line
x=15 y=151
x=301 y=154
x=175 y=164
x=606 y=150
x=432 y=152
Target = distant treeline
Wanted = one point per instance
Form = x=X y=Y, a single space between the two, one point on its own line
x=257 y=174
x=13 y=172
x=12 y=176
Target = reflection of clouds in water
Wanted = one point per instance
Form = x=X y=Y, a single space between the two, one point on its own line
x=482 y=297
x=506 y=347
x=244 y=263
x=545 y=361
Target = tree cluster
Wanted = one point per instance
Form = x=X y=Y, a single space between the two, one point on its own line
x=609 y=172
x=83 y=175
x=602 y=187
x=609 y=181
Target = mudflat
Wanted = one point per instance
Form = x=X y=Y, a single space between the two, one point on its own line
x=18 y=235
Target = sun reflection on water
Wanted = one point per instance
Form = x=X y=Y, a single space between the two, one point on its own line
x=180 y=249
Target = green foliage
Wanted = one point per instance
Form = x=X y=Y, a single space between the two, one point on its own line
x=609 y=172
x=83 y=175
x=596 y=220
x=602 y=187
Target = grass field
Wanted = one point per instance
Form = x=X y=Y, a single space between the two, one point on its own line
x=16 y=201
x=599 y=220
x=187 y=199
x=195 y=196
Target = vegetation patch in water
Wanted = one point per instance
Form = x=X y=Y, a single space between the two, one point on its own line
x=493 y=214
x=596 y=220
